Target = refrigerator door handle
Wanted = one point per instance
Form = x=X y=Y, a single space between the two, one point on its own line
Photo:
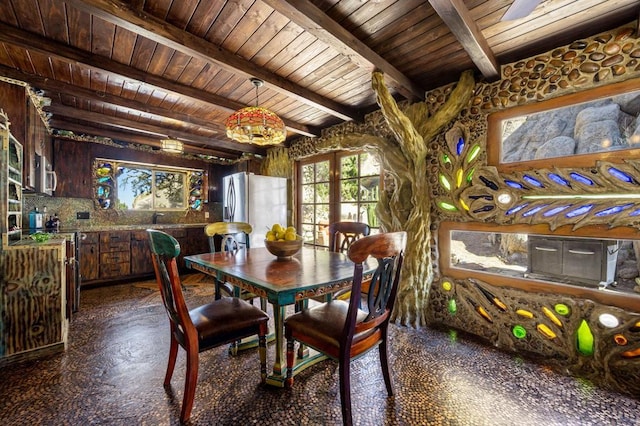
x=231 y=196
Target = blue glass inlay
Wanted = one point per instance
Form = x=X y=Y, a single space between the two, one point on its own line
x=612 y=210
x=635 y=213
x=581 y=179
x=534 y=210
x=619 y=174
x=532 y=181
x=513 y=184
x=460 y=146
x=489 y=183
x=554 y=211
x=559 y=179
x=516 y=209
x=579 y=211
x=106 y=180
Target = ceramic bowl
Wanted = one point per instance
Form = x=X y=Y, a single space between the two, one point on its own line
x=284 y=249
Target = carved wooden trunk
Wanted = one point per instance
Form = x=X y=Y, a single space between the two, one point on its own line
x=32 y=300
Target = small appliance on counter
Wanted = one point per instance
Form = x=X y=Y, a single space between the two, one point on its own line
x=35 y=219
x=53 y=224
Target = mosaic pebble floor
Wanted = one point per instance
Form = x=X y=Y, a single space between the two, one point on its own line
x=112 y=372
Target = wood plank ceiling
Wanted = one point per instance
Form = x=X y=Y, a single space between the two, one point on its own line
x=142 y=70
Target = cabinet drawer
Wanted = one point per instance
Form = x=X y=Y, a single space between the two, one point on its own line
x=114 y=270
x=115 y=257
x=90 y=238
x=107 y=238
x=111 y=247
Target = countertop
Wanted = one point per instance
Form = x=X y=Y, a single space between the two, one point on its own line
x=99 y=228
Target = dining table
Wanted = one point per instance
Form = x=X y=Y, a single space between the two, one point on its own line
x=309 y=274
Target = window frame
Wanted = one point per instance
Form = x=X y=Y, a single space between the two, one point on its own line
x=335 y=180
x=190 y=201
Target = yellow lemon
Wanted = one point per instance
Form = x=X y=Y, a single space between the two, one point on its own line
x=276 y=228
x=271 y=236
x=290 y=236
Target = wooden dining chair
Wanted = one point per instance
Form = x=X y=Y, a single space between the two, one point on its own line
x=222 y=321
x=233 y=236
x=341 y=236
x=343 y=331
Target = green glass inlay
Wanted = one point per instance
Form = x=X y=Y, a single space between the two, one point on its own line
x=584 y=339
x=452 y=306
x=447 y=206
x=519 y=331
x=562 y=309
x=473 y=153
x=470 y=175
x=446 y=159
x=444 y=182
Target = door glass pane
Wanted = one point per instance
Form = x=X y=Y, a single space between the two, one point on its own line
x=307 y=213
x=322 y=214
x=369 y=165
x=322 y=193
x=369 y=187
x=349 y=212
x=308 y=193
x=307 y=233
x=349 y=190
x=308 y=172
x=349 y=166
x=370 y=217
x=322 y=171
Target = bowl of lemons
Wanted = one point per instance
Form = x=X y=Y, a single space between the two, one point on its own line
x=283 y=242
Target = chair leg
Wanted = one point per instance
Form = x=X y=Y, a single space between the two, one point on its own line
x=345 y=390
x=262 y=350
x=173 y=354
x=189 y=385
x=290 y=361
x=263 y=304
x=384 y=363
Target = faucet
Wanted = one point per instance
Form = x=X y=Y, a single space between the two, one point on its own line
x=154 y=220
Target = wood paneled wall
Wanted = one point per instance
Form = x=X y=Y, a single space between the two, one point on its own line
x=73 y=162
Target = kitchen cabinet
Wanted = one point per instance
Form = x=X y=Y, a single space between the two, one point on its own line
x=115 y=254
x=89 y=257
x=109 y=256
x=141 y=263
x=32 y=300
x=28 y=127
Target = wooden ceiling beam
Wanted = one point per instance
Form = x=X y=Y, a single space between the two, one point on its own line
x=84 y=129
x=313 y=20
x=148 y=26
x=50 y=87
x=159 y=132
x=456 y=16
x=34 y=42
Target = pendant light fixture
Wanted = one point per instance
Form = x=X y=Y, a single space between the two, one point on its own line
x=256 y=125
x=172 y=145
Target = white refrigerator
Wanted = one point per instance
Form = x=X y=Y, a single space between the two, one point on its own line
x=258 y=200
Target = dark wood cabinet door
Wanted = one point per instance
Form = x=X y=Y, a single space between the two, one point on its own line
x=89 y=266
x=140 y=254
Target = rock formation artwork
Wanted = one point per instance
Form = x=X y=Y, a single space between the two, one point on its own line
x=598 y=126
